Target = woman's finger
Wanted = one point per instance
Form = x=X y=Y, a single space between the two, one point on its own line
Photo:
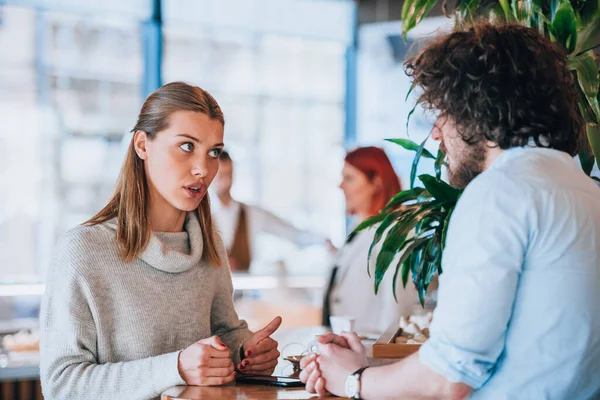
x=220 y=362
x=262 y=358
x=262 y=347
x=258 y=367
x=217 y=381
x=218 y=372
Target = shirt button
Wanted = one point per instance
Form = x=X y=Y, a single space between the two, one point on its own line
x=337 y=300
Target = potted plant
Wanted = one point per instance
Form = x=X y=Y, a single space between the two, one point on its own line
x=415 y=221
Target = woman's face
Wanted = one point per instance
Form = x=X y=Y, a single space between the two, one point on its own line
x=358 y=190
x=182 y=160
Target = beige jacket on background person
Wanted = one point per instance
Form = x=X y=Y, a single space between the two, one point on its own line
x=353 y=290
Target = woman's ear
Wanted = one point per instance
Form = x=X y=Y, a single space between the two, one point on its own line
x=377 y=184
x=140 y=140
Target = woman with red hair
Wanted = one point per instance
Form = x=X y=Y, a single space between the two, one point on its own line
x=368 y=183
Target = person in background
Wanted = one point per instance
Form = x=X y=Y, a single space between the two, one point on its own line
x=369 y=183
x=147 y=276
x=240 y=224
x=518 y=314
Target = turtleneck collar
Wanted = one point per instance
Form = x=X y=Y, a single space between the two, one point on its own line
x=174 y=252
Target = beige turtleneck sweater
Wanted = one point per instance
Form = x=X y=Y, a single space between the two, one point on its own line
x=111 y=330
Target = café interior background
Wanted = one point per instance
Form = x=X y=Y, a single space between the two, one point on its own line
x=300 y=82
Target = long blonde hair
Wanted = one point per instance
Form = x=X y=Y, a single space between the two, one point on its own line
x=130 y=201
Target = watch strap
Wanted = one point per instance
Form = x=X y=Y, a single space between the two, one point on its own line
x=358 y=374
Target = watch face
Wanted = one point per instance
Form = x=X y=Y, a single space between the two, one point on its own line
x=352 y=386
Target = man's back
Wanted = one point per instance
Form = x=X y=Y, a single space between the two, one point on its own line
x=519 y=303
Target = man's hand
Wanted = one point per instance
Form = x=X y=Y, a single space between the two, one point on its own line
x=261 y=351
x=310 y=374
x=340 y=355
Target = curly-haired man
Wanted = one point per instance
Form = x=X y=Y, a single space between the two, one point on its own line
x=518 y=313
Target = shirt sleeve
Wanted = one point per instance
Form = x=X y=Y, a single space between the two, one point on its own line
x=482 y=262
x=267 y=222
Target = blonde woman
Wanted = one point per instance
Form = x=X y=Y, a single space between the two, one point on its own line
x=148 y=276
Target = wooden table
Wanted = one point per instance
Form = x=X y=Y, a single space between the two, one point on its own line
x=290 y=343
x=239 y=392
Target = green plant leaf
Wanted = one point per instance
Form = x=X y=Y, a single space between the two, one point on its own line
x=401 y=217
x=434 y=258
x=596 y=179
x=593 y=134
x=429 y=271
x=396 y=240
x=446 y=225
x=587 y=76
x=412 y=87
x=439 y=161
x=565 y=25
x=523 y=10
x=404 y=196
x=412 y=146
x=386 y=223
x=553 y=9
x=588 y=36
x=403 y=265
x=415 y=163
x=412 y=263
x=588 y=11
x=410 y=113
x=468 y=9
x=551 y=31
x=400 y=265
x=417 y=269
x=413 y=11
x=586 y=158
x=535 y=20
x=439 y=189
x=428 y=224
x=369 y=222
x=508 y=15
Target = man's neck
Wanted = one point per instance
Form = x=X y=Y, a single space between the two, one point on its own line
x=493 y=151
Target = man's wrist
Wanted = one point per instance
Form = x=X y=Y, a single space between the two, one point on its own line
x=354 y=383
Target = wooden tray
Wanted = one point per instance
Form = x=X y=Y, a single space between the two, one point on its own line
x=386 y=347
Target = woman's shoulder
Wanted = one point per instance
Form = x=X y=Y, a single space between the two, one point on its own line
x=89 y=235
x=84 y=245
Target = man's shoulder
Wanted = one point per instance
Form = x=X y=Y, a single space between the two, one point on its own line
x=497 y=182
x=519 y=170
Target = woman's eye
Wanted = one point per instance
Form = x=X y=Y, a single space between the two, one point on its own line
x=187 y=146
x=215 y=153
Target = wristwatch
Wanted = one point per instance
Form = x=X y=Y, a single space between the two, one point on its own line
x=353 y=384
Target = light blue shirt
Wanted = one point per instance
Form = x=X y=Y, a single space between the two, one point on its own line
x=518 y=313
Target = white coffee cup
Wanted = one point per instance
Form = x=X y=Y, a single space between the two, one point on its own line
x=341 y=324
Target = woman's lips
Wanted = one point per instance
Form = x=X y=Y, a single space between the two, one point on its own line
x=196 y=191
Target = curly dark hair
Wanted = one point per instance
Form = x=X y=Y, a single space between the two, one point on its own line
x=503 y=83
